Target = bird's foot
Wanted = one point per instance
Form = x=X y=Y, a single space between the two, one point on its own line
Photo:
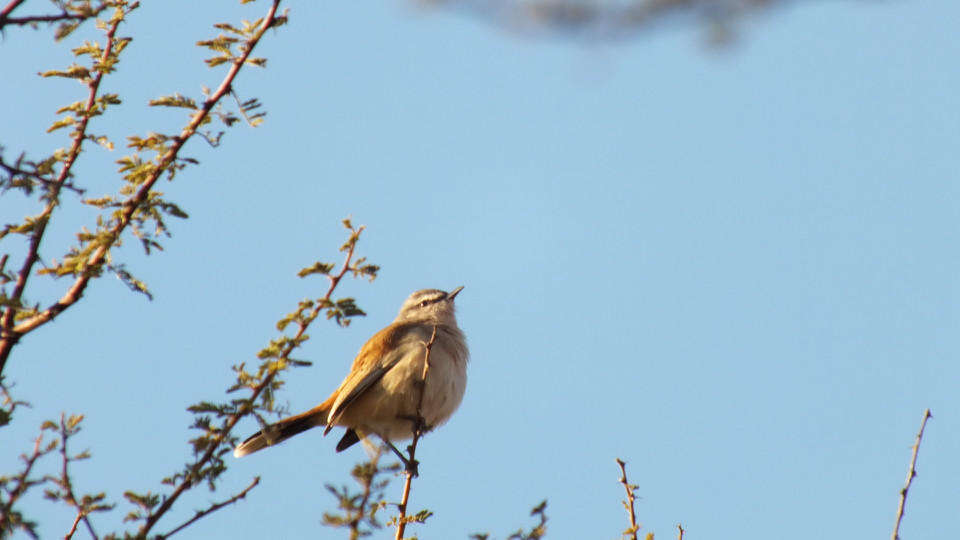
x=410 y=466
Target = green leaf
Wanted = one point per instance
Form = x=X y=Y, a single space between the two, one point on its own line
x=176 y=100
x=68 y=121
x=131 y=282
x=228 y=27
x=73 y=72
x=217 y=60
x=65 y=29
x=76 y=106
x=119 y=44
x=91 y=49
x=109 y=99
x=145 y=501
x=73 y=421
x=316 y=268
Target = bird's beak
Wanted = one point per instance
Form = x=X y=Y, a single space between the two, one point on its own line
x=452 y=294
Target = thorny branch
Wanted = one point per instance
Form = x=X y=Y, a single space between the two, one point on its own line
x=213 y=508
x=10 y=332
x=83 y=507
x=8 y=519
x=910 y=476
x=14 y=170
x=223 y=432
x=21 y=21
x=418 y=429
x=360 y=509
x=8 y=404
x=631 y=531
x=64 y=15
x=13 y=488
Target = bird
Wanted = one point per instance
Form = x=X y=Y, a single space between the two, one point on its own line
x=391 y=379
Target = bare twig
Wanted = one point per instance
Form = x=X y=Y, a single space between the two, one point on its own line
x=67 y=429
x=213 y=508
x=15 y=170
x=10 y=332
x=365 y=498
x=910 y=476
x=31 y=19
x=65 y=483
x=223 y=432
x=245 y=107
x=402 y=518
x=680 y=531
x=8 y=519
x=5 y=12
x=8 y=404
x=360 y=508
x=22 y=482
x=418 y=427
x=73 y=528
x=64 y=15
x=630 y=532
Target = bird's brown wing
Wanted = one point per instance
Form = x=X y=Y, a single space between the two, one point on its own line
x=378 y=356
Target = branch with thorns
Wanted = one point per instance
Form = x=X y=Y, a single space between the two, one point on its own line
x=628 y=505
x=911 y=474
x=211 y=509
x=222 y=434
x=11 y=520
x=12 y=329
x=410 y=461
x=64 y=15
x=86 y=504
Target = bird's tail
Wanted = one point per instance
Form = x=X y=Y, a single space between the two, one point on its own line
x=283 y=430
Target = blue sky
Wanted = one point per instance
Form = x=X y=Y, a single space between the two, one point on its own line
x=736 y=269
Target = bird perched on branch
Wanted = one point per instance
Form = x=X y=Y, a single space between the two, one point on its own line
x=409 y=376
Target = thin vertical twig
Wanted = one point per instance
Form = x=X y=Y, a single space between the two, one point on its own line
x=680 y=531
x=402 y=518
x=65 y=482
x=628 y=505
x=368 y=488
x=23 y=484
x=73 y=529
x=418 y=426
x=910 y=476
x=211 y=509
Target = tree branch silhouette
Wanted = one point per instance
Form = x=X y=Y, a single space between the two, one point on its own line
x=911 y=474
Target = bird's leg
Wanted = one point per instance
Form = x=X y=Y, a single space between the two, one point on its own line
x=411 y=466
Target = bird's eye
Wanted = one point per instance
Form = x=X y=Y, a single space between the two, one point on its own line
x=423 y=304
